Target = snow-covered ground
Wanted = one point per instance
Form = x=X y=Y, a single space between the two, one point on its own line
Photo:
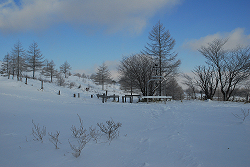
x=188 y=133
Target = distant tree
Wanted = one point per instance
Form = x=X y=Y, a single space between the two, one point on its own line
x=34 y=58
x=103 y=75
x=6 y=65
x=84 y=75
x=60 y=80
x=92 y=77
x=190 y=82
x=135 y=71
x=78 y=75
x=232 y=67
x=174 y=89
x=49 y=70
x=207 y=79
x=161 y=47
x=18 y=59
x=65 y=68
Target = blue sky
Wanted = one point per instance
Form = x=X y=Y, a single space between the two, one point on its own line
x=87 y=33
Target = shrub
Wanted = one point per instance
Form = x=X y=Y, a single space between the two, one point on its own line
x=78 y=132
x=37 y=132
x=82 y=141
x=54 y=138
x=94 y=134
x=245 y=113
x=111 y=129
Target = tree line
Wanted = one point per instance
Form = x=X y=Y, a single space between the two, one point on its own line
x=20 y=61
x=154 y=69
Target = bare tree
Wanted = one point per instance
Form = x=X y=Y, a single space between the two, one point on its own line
x=173 y=89
x=191 y=85
x=34 y=58
x=103 y=75
x=6 y=65
x=135 y=71
x=49 y=70
x=65 y=68
x=232 y=67
x=161 y=47
x=207 y=79
x=18 y=60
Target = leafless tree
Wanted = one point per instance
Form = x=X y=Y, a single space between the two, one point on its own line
x=207 y=79
x=232 y=67
x=18 y=59
x=174 y=89
x=65 y=68
x=102 y=75
x=49 y=70
x=6 y=65
x=161 y=47
x=34 y=58
x=190 y=82
x=135 y=71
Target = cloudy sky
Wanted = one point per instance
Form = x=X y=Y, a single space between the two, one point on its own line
x=87 y=33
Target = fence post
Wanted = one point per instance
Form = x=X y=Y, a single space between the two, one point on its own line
x=42 y=85
x=59 y=93
x=114 y=97
x=78 y=95
x=26 y=81
x=103 y=97
x=74 y=95
x=92 y=96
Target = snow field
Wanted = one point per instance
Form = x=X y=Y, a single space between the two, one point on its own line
x=188 y=133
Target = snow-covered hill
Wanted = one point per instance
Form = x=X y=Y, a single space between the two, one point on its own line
x=188 y=133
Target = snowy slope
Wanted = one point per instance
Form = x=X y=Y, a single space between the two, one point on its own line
x=189 y=133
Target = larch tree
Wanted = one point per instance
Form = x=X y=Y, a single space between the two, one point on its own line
x=18 y=59
x=65 y=68
x=49 y=70
x=34 y=58
x=103 y=75
x=6 y=65
x=161 y=46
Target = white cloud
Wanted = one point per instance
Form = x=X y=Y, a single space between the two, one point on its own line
x=115 y=15
x=235 y=38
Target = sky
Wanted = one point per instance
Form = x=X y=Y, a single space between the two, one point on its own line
x=87 y=33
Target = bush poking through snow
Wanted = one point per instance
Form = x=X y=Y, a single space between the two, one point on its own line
x=111 y=129
x=37 y=132
x=54 y=138
x=78 y=132
x=82 y=141
x=245 y=113
x=82 y=138
x=94 y=134
x=72 y=84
